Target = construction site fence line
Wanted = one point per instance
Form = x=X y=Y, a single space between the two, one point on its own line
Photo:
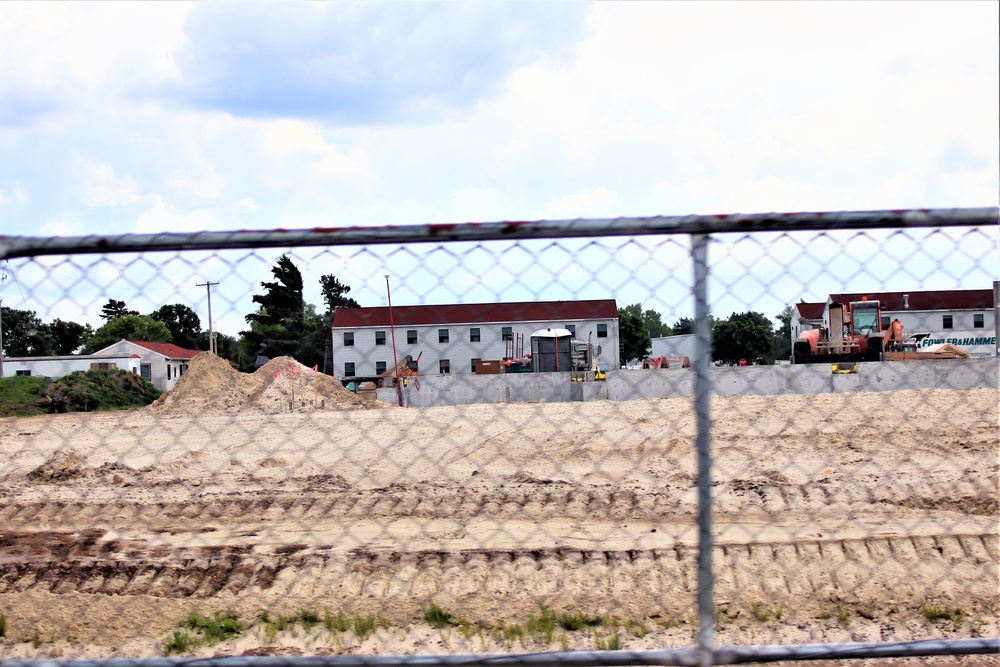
x=26 y=246
x=723 y=655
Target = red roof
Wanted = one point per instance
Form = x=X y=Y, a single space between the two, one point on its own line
x=810 y=311
x=966 y=299
x=166 y=349
x=477 y=313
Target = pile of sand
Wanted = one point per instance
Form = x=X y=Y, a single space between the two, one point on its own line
x=280 y=385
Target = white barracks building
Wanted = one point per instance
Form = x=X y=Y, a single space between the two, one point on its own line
x=450 y=339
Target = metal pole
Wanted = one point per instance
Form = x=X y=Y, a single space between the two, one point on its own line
x=702 y=404
x=392 y=330
x=211 y=333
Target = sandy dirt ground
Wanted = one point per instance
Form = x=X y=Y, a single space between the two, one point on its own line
x=838 y=518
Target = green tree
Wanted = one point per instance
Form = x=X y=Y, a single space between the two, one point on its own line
x=682 y=327
x=24 y=335
x=278 y=327
x=743 y=336
x=183 y=323
x=113 y=309
x=68 y=337
x=335 y=295
x=655 y=325
x=781 y=348
x=128 y=327
x=634 y=338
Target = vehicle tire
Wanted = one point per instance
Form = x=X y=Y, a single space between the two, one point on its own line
x=801 y=352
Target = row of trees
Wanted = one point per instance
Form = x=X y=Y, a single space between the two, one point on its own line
x=749 y=335
x=283 y=324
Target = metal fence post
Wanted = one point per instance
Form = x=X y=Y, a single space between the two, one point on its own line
x=702 y=405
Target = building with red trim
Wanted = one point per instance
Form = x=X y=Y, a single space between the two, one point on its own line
x=449 y=339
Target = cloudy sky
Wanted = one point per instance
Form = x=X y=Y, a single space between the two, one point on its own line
x=150 y=117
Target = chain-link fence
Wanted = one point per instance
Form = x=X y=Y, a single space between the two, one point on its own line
x=698 y=501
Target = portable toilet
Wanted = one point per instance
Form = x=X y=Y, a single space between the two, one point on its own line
x=551 y=350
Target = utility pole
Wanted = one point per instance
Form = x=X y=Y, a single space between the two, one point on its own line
x=211 y=333
x=392 y=329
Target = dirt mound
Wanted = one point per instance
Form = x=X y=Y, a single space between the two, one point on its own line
x=280 y=385
x=62 y=466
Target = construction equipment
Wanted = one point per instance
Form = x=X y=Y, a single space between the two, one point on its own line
x=584 y=358
x=850 y=332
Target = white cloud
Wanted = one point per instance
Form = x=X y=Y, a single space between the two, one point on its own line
x=62 y=227
x=473 y=204
x=13 y=195
x=200 y=179
x=595 y=203
x=160 y=218
x=101 y=187
x=247 y=206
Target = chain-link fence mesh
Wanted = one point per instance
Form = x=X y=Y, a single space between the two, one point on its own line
x=646 y=510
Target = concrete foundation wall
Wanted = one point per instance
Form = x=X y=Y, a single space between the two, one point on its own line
x=672 y=383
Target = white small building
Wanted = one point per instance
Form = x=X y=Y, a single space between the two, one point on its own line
x=161 y=364
x=450 y=339
x=681 y=345
x=58 y=366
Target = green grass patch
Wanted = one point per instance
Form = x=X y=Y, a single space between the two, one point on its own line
x=763 y=613
x=637 y=628
x=542 y=626
x=364 y=626
x=308 y=618
x=934 y=613
x=338 y=623
x=179 y=642
x=198 y=630
x=612 y=643
x=436 y=617
x=578 y=621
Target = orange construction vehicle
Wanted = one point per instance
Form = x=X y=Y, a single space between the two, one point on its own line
x=850 y=332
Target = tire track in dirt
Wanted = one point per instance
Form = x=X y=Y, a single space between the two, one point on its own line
x=891 y=571
x=533 y=501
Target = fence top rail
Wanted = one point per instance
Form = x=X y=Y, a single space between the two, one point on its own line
x=26 y=246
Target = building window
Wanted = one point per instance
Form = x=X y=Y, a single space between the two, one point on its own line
x=571 y=328
x=885 y=322
x=379 y=367
x=442 y=335
x=411 y=336
x=348 y=339
x=506 y=333
x=474 y=335
x=22 y=373
x=168 y=371
x=349 y=369
x=602 y=330
x=444 y=366
x=978 y=321
x=947 y=322
x=380 y=338
x=474 y=362
x=146 y=372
